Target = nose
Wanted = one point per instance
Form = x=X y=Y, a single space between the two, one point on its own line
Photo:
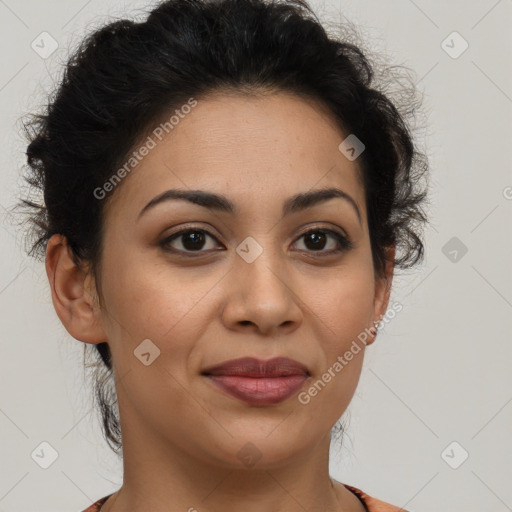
x=262 y=296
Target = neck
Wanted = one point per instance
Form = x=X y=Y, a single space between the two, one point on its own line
x=159 y=478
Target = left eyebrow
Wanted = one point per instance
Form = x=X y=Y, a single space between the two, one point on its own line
x=296 y=203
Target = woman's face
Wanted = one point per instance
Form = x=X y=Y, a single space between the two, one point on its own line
x=243 y=283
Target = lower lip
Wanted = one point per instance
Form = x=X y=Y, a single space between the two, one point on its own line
x=259 y=391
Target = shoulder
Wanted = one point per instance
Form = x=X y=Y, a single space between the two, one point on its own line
x=373 y=504
x=96 y=506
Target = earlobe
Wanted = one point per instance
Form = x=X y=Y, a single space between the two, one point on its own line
x=71 y=297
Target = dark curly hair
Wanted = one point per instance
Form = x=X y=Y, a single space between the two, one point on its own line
x=125 y=76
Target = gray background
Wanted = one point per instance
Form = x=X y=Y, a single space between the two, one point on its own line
x=439 y=372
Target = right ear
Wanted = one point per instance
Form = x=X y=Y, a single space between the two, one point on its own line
x=73 y=293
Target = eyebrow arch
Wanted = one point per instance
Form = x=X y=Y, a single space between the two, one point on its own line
x=294 y=204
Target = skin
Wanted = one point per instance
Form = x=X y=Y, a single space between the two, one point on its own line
x=181 y=435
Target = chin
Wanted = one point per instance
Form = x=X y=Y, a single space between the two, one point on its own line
x=255 y=448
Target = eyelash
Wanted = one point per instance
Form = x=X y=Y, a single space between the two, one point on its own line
x=344 y=242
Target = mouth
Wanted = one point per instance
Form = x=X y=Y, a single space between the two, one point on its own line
x=258 y=382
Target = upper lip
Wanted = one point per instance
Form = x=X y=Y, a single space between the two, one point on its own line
x=253 y=367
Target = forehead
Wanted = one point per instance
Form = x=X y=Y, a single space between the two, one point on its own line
x=250 y=148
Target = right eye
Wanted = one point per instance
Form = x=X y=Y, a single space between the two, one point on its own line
x=188 y=240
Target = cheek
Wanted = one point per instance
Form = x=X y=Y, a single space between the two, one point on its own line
x=150 y=312
x=345 y=307
x=147 y=301
x=329 y=394
x=343 y=313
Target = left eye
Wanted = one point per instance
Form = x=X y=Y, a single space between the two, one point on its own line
x=194 y=240
x=316 y=240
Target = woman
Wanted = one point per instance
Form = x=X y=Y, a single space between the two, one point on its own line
x=226 y=198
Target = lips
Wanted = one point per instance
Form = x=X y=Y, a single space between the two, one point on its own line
x=252 y=367
x=258 y=382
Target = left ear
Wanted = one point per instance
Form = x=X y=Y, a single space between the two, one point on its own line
x=383 y=290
